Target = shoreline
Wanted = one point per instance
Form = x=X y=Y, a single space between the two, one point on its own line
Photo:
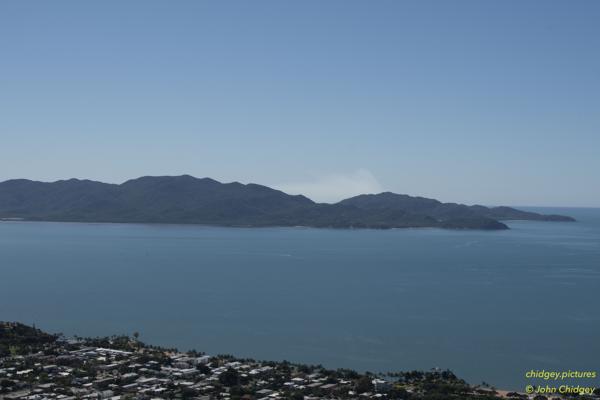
x=124 y=366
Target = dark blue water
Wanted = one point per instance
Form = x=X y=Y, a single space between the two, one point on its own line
x=488 y=305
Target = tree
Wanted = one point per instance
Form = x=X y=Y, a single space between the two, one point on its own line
x=364 y=384
x=229 y=377
x=203 y=368
x=297 y=396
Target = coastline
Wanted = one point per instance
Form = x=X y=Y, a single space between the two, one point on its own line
x=118 y=367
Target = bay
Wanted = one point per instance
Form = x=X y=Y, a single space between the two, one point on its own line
x=488 y=305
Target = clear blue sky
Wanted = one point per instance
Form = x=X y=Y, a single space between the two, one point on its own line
x=491 y=102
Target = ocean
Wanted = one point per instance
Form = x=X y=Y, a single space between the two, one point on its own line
x=489 y=305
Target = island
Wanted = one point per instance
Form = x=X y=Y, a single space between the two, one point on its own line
x=189 y=200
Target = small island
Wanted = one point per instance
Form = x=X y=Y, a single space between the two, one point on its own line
x=188 y=200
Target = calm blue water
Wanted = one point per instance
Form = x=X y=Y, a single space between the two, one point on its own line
x=488 y=305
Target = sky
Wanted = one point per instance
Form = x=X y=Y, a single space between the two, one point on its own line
x=478 y=102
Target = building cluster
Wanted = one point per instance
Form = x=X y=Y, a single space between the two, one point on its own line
x=38 y=366
x=69 y=370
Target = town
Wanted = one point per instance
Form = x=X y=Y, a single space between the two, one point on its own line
x=38 y=366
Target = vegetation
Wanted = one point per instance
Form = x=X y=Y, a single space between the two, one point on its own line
x=19 y=339
x=185 y=199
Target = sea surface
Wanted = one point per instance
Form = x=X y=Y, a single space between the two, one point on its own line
x=488 y=305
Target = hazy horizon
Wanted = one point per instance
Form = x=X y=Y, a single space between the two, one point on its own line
x=468 y=102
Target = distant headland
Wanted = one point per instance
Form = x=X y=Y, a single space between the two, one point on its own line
x=189 y=200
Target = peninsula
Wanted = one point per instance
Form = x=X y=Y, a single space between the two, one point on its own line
x=189 y=200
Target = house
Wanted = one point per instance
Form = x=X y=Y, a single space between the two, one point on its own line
x=381 y=385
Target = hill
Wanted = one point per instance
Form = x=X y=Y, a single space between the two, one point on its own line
x=19 y=339
x=189 y=200
x=439 y=210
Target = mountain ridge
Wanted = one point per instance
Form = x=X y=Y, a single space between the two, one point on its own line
x=186 y=199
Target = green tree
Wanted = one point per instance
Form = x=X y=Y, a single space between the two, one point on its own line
x=229 y=377
x=364 y=384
